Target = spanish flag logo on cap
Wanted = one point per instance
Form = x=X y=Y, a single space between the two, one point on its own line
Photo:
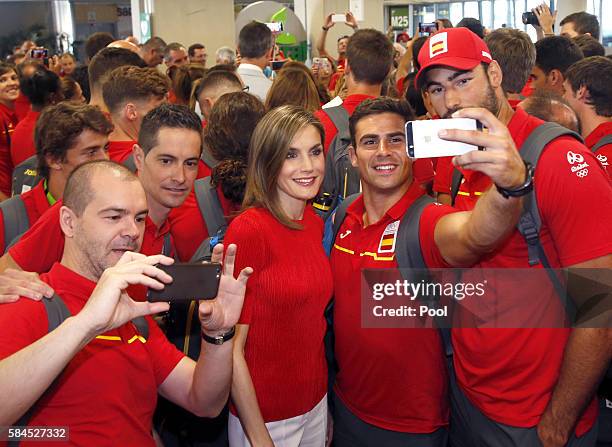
x=438 y=44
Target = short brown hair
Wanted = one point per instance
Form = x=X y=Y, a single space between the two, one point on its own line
x=594 y=73
x=59 y=125
x=369 y=54
x=515 y=53
x=589 y=45
x=107 y=60
x=267 y=153
x=293 y=86
x=130 y=83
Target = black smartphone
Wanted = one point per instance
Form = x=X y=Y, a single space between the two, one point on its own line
x=190 y=281
x=277 y=65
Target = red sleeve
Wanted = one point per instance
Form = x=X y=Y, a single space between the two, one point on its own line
x=164 y=354
x=42 y=245
x=249 y=236
x=2 y=242
x=429 y=219
x=574 y=197
x=444 y=175
x=21 y=324
x=604 y=155
x=6 y=168
x=328 y=126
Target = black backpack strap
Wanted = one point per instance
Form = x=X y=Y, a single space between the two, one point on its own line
x=339 y=116
x=167 y=247
x=606 y=139
x=16 y=220
x=455 y=184
x=208 y=158
x=530 y=222
x=409 y=256
x=209 y=205
x=129 y=163
x=141 y=326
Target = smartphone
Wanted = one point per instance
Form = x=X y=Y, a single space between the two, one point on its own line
x=39 y=53
x=275 y=27
x=338 y=18
x=277 y=65
x=190 y=281
x=422 y=139
x=428 y=27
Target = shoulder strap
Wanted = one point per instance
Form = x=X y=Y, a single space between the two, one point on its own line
x=341 y=214
x=129 y=163
x=339 y=116
x=455 y=184
x=208 y=158
x=16 y=220
x=209 y=205
x=606 y=139
x=167 y=247
x=25 y=174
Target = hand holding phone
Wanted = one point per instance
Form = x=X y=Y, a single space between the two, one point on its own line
x=422 y=140
x=190 y=281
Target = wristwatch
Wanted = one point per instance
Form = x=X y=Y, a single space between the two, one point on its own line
x=219 y=339
x=521 y=190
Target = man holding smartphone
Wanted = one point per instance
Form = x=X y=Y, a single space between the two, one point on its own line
x=504 y=389
x=98 y=375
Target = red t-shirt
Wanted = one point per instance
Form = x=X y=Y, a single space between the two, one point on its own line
x=604 y=154
x=43 y=244
x=22 y=106
x=35 y=202
x=188 y=227
x=422 y=169
x=284 y=304
x=8 y=122
x=22 y=141
x=120 y=150
x=509 y=374
x=444 y=175
x=395 y=379
x=107 y=393
x=514 y=103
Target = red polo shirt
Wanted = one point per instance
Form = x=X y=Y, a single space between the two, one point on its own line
x=36 y=203
x=395 y=379
x=43 y=245
x=8 y=121
x=120 y=150
x=22 y=141
x=22 y=106
x=604 y=154
x=107 y=393
x=509 y=374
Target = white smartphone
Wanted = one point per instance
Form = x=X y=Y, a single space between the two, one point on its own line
x=422 y=139
x=338 y=18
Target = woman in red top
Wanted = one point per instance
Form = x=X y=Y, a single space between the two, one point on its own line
x=9 y=91
x=280 y=375
x=42 y=88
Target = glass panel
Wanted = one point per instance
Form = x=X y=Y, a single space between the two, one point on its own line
x=519 y=9
x=606 y=26
x=443 y=11
x=501 y=13
x=471 y=10
x=486 y=13
x=422 y=14
x=456 y=12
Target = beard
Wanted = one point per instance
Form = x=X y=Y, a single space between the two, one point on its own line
x=490 y=102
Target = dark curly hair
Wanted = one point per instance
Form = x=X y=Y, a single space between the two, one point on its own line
x=227 y=136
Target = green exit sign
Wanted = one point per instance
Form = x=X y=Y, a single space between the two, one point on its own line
x=399 y=17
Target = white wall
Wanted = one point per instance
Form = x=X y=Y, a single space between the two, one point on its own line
x=210 y=22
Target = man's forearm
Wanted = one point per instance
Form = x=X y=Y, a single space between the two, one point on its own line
x=587 y=356
x=25 y=375
x=7 y=262
x=321 y=43
x=212 y=378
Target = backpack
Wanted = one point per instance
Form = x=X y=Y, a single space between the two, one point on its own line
x=57 y=313
x=530 y=222
x=341 y=178
x=25 y=176
x=606 y=139
x=15 y=219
